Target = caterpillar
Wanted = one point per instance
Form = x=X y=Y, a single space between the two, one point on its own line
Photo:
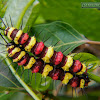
x=38 y=66
x=47 y=54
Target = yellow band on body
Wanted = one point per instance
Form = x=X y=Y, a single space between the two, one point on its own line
x=15 y=50
x=83 y=70
x=46 y=70
x=30 y=63
x=18 y=35
x=10 y=47
x=48 y=55
x=82 y=83
x=10 y=32
x=5 y=32
x=67 y=77
x=20 y=56
x=68 y=64
x=31 y=44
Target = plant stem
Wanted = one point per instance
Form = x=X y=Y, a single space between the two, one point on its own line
x=28 y=89
x=23 y=13
x=92 y=42
x=94 y=77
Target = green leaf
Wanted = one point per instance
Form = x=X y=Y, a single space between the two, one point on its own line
x=20 y=96
x=6 y=77
x=36 y=80
x=27 y=88
x=32 y=18
x=3 y=7
x=39 y=83
x=56 y=31
x=46 y=82
x=94 y=77
x=6 y=93
x=28 y=12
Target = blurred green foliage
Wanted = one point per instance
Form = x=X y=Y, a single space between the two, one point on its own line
x=85 y=20
x=3 y=7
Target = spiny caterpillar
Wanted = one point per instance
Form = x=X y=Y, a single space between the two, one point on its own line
x=47 y=54
x=38 y=66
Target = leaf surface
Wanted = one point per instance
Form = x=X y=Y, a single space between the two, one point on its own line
x=66 y=36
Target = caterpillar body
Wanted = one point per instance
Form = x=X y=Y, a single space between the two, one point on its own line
x=38 y=66
x=47 y=54
x=64 y=68
x=21 y=57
